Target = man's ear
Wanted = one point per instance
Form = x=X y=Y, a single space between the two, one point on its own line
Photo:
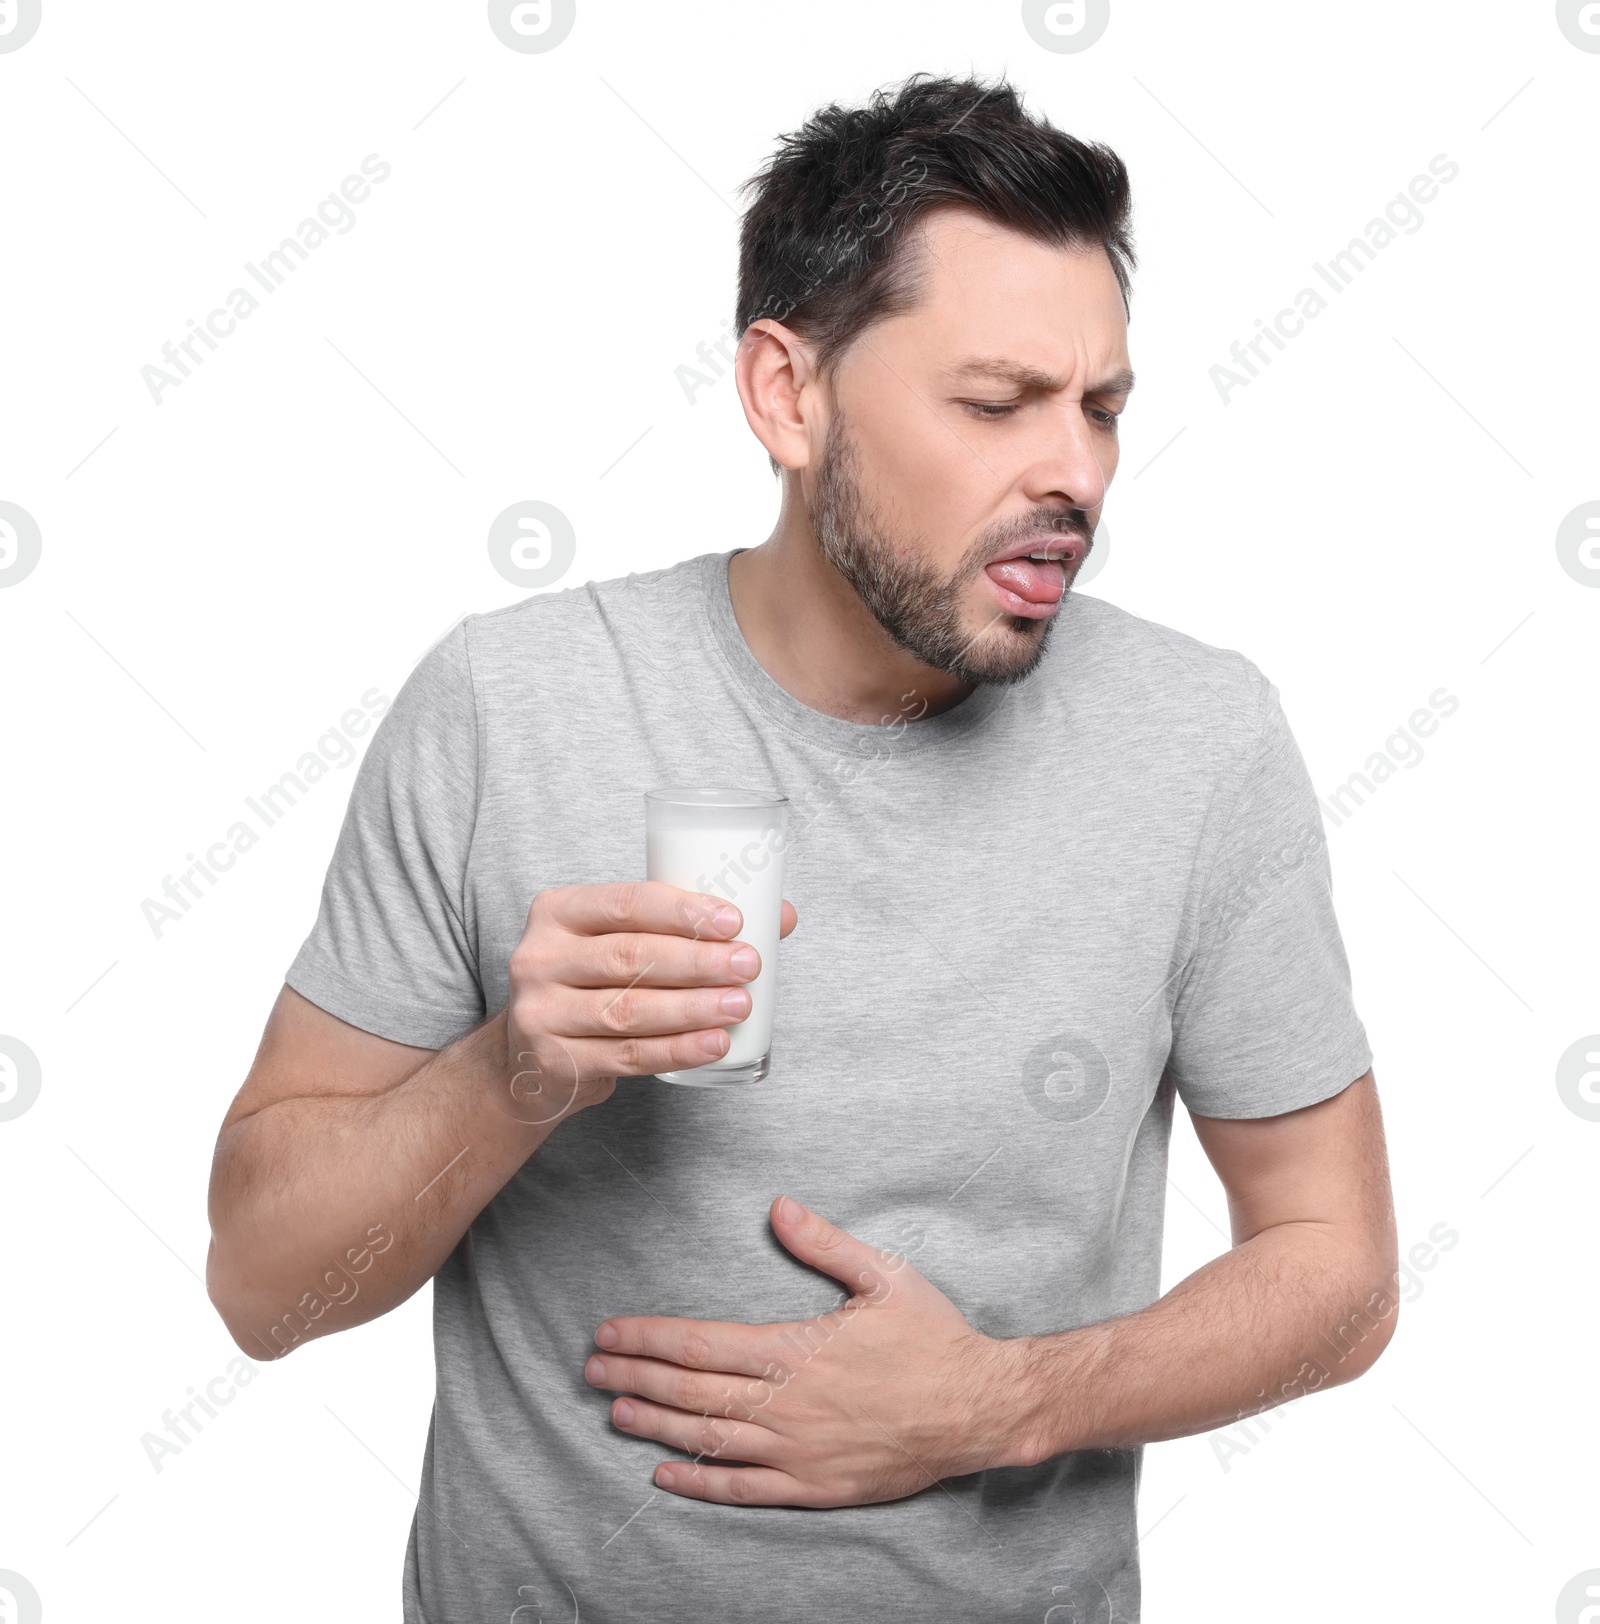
x=777 y=384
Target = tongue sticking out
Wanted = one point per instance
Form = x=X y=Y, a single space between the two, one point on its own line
x=1031 y=581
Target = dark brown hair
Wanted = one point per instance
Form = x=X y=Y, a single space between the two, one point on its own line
x=820 y=247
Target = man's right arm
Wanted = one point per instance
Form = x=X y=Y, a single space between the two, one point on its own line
x=349 y=1166
x=346 y=1171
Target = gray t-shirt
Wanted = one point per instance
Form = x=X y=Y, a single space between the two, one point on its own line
x=1025 y=924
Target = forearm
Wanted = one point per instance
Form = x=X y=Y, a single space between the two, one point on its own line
x=330 y=1210
x=1296 y=1308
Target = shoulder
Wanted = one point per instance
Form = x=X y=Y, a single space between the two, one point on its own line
x=574 y=633
x=1156 y=665
x=1153 y=679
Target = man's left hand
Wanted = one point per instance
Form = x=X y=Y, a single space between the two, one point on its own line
x=876 y=1399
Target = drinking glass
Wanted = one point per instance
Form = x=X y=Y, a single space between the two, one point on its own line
x=727 y=843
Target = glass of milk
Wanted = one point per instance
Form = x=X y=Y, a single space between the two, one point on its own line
x=727 y=843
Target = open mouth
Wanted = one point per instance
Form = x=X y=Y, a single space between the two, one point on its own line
x=1034 y=584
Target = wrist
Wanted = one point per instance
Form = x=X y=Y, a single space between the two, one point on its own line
x=534 y=1079
x=1040 y=1396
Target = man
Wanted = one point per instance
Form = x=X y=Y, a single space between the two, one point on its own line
x=879 y=1336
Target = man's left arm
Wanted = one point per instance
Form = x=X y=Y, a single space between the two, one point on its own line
x=1305 y=1299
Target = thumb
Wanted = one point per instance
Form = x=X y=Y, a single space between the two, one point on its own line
x=863 y=1270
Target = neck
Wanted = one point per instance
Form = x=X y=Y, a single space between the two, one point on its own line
x=814 y=637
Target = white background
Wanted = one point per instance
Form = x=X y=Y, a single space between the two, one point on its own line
x=1370 y=520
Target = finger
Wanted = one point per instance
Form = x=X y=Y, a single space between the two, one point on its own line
x=647 y=959
x=650 y=905
x=722 y=1346
x=735 y=1485
x=647 y=1056
x=788 y=918
x=699 y=1392
x=711 y=1437
x=609 y=1012
x=863 y=1270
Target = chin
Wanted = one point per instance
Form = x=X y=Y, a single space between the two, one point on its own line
x=1008 y=651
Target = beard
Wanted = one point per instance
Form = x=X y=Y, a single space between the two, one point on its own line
x=920 y=609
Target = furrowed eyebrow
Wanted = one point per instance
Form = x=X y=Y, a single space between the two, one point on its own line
x=1026 y=377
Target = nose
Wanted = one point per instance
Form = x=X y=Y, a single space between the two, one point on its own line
x=1071 y=464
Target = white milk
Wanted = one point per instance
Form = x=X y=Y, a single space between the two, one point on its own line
x=727 y=843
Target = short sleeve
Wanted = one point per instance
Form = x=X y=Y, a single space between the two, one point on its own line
x=391 y=950
x=1264 y=1021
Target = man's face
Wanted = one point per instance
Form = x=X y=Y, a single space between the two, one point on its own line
x=977 y=426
